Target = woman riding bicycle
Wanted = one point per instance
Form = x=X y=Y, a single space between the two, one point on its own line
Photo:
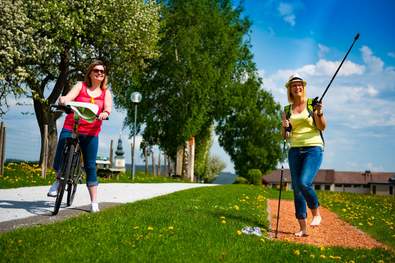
x=92 y=90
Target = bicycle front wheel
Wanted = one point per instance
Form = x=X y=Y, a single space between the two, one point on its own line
x=74 y=179
x=65 y=175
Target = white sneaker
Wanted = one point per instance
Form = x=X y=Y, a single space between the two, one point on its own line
x=301 y=234
x=316 y=221
x=53 y=190
x=95 y=208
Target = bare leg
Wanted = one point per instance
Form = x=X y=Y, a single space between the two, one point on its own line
x=93 y=193
x=316 y=217
x=303 y=228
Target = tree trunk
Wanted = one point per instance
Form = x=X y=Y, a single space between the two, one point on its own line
x=44 y=116
x=153 y=163
x=191 y=163
x=146 y=160
x=41 y=105
x=159 y=167
x=179 y=160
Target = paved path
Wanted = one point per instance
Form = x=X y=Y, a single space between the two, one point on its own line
x=25 y=202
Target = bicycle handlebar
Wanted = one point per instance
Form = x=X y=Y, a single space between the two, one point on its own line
x=67 y=109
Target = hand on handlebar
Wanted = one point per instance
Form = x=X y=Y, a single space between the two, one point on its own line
x=62 y=100
x=103 y=116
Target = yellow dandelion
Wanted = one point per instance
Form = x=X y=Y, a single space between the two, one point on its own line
x=136 y=227
x=312 y=255
x=150 y=228
x=222 y=217
x=322 y=256
x=236 y=207
x=223 y=222
x=239 y=232
x=297 y=252
x=171 y=228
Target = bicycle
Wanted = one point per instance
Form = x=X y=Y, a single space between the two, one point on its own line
x=71 y=170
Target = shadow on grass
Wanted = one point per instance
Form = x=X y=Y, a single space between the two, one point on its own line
x=242 y=218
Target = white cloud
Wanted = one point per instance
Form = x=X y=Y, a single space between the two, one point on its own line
x=373 y=63
x=322 y=50
x=372 y=91
x=286 y=12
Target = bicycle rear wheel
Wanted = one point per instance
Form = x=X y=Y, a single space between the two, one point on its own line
x=74 y=179
x=65 y=175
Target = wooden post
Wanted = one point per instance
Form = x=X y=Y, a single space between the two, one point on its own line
x=111 y=152
x=45 y=153
x=2 y=147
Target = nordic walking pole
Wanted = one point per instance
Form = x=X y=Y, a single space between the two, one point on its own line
x=281 y=186
x=315 y=101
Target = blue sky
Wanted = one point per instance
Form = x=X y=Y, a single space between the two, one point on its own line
x=310 y=38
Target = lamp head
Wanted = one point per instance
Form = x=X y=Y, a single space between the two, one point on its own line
x=136 y=97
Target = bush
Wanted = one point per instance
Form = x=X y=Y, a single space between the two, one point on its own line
x=255 y=176
x=240 y=180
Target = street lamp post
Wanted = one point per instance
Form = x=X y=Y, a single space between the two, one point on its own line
x=135 y=98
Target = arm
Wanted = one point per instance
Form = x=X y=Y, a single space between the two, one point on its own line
x=107 y=106
x=318 y=116
x=73 y=93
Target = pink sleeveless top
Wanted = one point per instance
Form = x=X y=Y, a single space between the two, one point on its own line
x=86 y=128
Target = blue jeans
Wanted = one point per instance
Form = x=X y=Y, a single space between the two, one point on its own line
x=304 y=163
x=89 y=147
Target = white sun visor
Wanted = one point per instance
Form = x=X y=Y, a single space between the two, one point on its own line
x=85 y=110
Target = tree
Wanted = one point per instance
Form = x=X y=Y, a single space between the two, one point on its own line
x=185 y=89
x=45 y=46
x=214 y=167
x=250 y=132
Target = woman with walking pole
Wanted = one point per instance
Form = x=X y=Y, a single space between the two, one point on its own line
x=302 y=125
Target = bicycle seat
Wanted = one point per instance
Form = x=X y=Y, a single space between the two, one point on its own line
x=85 y=110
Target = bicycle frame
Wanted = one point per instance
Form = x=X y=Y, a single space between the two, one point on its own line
x=71 y=170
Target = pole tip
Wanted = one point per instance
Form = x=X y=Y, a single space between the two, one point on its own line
x=356 y=36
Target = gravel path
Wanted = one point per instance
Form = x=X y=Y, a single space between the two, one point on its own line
x=332 y=232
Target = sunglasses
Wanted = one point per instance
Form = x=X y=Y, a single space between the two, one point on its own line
x=101 y=71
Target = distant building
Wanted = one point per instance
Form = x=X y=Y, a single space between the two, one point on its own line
x=330 y=180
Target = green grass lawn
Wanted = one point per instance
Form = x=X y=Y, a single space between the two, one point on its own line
x=24 y=174
x=197 y=225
